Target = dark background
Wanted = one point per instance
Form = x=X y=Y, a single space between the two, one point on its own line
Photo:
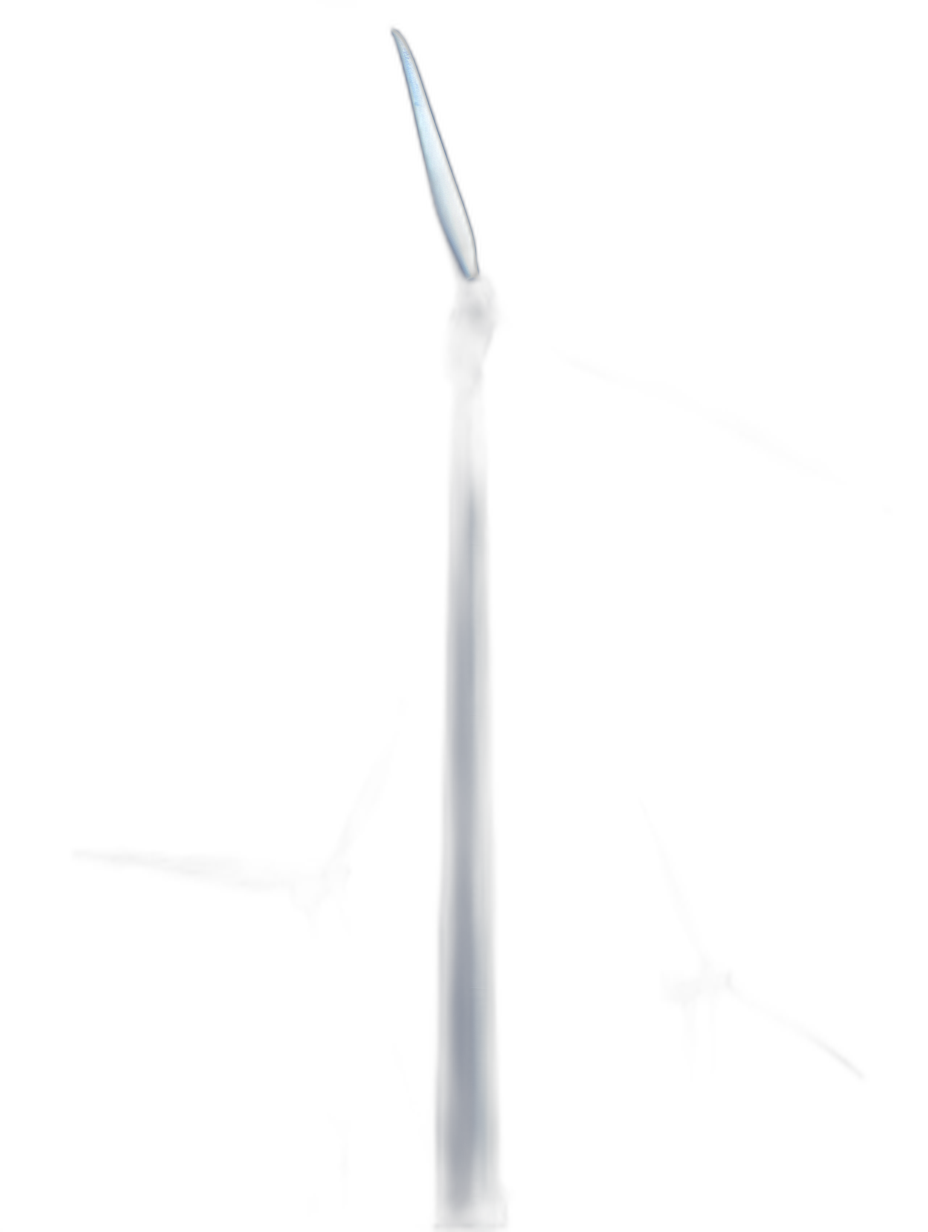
x=243 y=456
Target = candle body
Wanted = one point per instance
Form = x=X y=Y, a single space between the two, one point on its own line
x=468 y=1180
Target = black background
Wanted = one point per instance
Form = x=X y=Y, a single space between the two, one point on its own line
x=244 y=445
